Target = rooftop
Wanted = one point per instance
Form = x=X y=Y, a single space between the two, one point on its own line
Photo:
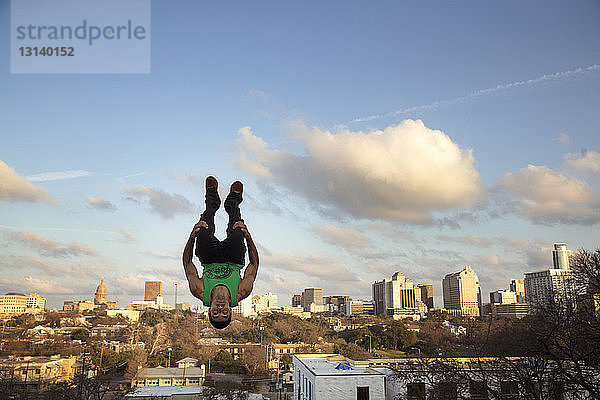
x=192 y=372
x=334 y=364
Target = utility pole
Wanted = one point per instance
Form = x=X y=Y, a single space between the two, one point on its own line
x=175 y=305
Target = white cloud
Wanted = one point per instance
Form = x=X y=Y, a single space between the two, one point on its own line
x=165 y=204
x=473 y=240
x=563 y=139
x=100 y=203
x=126 y=236
x=403 y=172
x=58 y=175
x=9 y=264
x=47 y=247
x=315 y=266
x=537 y=253
x=547 y=196
x=14 y=187
x=344 y=237
x=29 y=284
x=588 y=161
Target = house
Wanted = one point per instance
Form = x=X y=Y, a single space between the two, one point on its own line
x=186 y=374
x=332 y=376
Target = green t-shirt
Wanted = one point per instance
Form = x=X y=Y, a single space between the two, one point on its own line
x=227 y=274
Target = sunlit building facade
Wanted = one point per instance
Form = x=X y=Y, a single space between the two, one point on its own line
x=462 y=293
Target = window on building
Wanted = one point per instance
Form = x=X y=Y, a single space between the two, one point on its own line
x=478 y=390
x=509 y=390
x=415 y=391
x=445 y=391
x=362 y=393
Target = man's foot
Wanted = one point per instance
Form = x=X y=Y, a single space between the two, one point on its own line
x=237 y=187
x=211 y=182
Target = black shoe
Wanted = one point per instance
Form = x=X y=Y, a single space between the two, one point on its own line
x=236 y=187
x=211 y=182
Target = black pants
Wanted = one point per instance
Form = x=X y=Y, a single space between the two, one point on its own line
x=209 y=249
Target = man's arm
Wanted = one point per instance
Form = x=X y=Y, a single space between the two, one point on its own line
x=195 y=282
x=247 y=282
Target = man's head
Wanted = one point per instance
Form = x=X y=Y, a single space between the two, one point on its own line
x=219 y=320
x=219 y=313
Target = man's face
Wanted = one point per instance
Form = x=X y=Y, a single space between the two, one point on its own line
x=219 y=309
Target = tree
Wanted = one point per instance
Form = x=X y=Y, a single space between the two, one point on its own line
x=137 y=361
x=554 y=351
x=350 y=350
x=254 y=360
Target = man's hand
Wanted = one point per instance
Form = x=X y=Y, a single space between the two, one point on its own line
x=198 y=225
x=243 y=227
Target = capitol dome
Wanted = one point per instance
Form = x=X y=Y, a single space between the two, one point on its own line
x=101 y=296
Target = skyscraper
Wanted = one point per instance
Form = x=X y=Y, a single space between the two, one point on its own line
x=396 y=295
x=518 y=286
x=462 y=293
x=560 y=256
x=551 y=286
x=296 y=300
x=152 y=289
x=427 y=295
x=312 y=295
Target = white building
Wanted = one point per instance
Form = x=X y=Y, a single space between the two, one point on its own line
x=264 y=303
x=156 y=303
x=331 y=376
x=398 y=293
x=19 y=303
x=462 y=293
x=132 y=315
x=551 y=286
x=186 y=374
x=560 y=256
x=244 y=308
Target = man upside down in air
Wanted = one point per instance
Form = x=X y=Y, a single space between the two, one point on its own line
x=221 y=287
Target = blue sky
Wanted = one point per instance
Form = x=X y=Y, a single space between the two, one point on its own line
x=371 y=138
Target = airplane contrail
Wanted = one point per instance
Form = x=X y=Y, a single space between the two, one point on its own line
x=481 y=92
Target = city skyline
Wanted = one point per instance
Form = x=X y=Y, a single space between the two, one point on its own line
x=370 y=139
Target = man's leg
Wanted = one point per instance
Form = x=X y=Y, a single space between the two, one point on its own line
x=212 y=202
x=208 y=247
x=233 y=245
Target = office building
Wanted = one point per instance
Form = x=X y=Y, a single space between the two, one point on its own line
x=310 y=296
x=19 y=303
x=336 y=304
x=461 y=292
x=264 y=303
x=551 y=286
x=152 y=289
x=554 y=286
x=78 y=305
x=359 y=307
x=560 y=256
x=518 y=286
x=426 y=295
x=244 y=308
x=503 y=297
x=296 y=300
x=396 y=296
